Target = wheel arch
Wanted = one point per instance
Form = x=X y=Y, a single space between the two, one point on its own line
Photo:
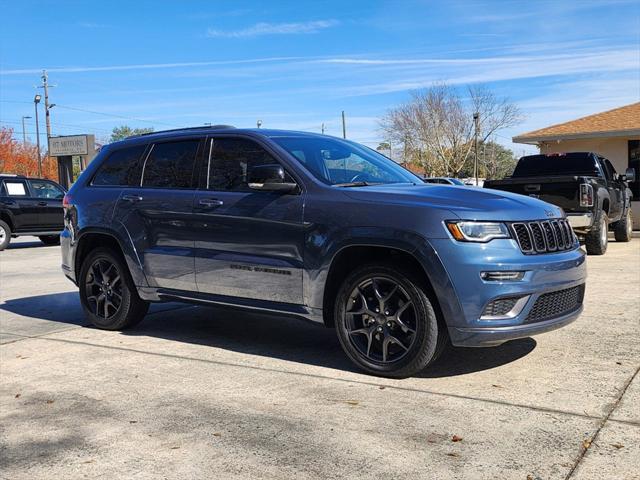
x=92 y=238
x=350 y=256
x=7 y=218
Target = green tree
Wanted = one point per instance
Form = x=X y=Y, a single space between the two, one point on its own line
x=124 y=131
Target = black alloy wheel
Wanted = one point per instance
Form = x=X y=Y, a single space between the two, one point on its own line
x=103 y=287
x=381 y=320
x=108 y=295
x=386 y=321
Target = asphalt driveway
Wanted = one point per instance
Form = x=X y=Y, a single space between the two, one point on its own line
x=196 y=392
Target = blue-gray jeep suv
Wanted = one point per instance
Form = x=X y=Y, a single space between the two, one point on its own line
x=321 y=228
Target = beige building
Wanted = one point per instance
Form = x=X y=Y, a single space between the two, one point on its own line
x=614 y=134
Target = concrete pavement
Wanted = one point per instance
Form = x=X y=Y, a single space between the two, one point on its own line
x=195 y=392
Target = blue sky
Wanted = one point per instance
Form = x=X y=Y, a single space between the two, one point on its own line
x=298 y=64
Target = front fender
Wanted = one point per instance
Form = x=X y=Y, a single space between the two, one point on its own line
x=321 y=253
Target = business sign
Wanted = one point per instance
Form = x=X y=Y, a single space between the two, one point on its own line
x=69 y=145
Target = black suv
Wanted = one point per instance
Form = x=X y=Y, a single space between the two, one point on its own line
x=30 y=206
x=315 y=227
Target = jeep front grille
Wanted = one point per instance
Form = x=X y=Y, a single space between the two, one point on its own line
x=544 y=236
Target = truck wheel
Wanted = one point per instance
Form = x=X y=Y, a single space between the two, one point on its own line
x=623 y=228
x=597 y=239
x=386 y=322
x=50 y=239
x=5 y=235
x=107 y=293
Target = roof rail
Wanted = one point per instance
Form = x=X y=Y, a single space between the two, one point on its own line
x=203 y=127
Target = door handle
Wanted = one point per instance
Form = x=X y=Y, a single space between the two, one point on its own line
x=8 y=202
x=43 y=204
x=210 y=202
x=132 y=198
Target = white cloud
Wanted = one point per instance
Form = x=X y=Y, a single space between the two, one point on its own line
x=264 y=28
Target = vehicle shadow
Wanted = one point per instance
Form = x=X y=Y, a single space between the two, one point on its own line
x=279 y=337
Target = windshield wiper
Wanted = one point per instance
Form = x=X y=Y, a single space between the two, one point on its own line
x=355 y=184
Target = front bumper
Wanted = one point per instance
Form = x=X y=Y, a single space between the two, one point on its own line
x=544 y=274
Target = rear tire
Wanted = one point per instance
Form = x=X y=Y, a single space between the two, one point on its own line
x=5 y=235
x=623 y=228
x=404 y=336
x=107 y=293
x=597 y=239
x=50 y=239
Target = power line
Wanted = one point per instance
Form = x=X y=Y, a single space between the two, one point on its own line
x=119 y=116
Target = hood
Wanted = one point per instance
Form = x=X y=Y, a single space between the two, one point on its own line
x=468 y=203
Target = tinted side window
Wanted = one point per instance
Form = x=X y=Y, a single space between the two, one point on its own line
x=42 y=189
x=121 y=168
x=170 y=165
x=231 y=159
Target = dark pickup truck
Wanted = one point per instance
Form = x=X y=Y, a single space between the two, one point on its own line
x=30 y=206
x=594 y=197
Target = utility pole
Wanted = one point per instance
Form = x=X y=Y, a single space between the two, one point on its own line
x=36 y=101
x=24 y=132
x=47 y=107
x=344 y=126
x=476 y=121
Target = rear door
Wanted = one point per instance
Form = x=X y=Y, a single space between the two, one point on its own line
x=16 y=197
x=157 y=214
x=249 y=243
x=49 y=200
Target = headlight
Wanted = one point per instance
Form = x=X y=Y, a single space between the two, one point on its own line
x=467 y=231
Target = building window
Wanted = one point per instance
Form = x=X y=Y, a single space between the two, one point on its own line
x=634 y=162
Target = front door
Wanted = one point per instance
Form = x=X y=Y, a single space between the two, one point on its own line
x=158 y=214
x=248 y=243
x=49 y=199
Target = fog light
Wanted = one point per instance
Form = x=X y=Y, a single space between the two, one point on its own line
x=507 y=276
x=504 y=308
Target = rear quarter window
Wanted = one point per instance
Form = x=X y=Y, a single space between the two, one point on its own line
x=121 y=168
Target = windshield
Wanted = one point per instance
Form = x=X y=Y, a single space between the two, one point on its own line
x=341 y=162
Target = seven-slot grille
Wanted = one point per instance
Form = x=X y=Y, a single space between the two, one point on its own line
x=555 y=304
x=544 y=236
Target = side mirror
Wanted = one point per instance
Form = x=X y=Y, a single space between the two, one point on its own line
x=271 y=178
x=630 y=175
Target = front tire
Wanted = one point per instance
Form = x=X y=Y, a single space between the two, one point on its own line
x=386 y=322
x=597 y=239
x=5 y=235
x=50 y=239
x=107 y=293
x=623 y=229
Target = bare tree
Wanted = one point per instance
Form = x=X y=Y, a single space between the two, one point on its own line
x=436 y=125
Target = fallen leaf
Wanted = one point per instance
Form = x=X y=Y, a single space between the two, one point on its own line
x=497 y=386
x=175 y=447
x=529 y=477
x=217 y=434
x=617 y=445
x=352 y=402
x=618 y=363
x=49 y=401
x=382 y=387
x=456 y=438
x=88 y=461
x=586 y=444
x=452 y=454
x=17 y=395
x=133 y=421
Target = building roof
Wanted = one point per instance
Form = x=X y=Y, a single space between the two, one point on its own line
x=622 y=121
